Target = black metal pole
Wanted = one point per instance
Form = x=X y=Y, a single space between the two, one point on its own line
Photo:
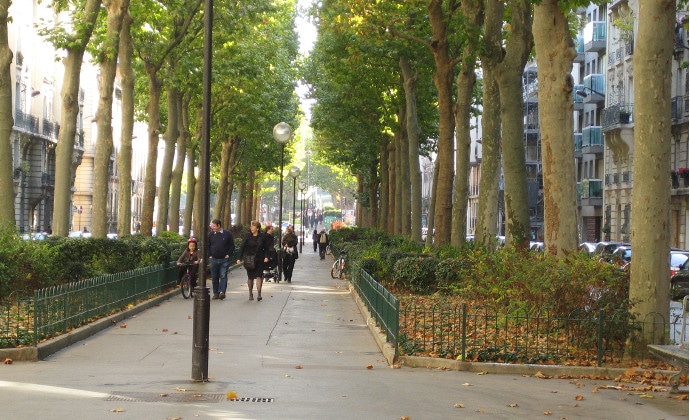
x=202 y=301
x=301 y=214
x=294 y=195
x=280 y=215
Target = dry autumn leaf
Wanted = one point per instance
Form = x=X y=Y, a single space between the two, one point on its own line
x=370 y=367
x=164 y=330
x=513 y=405
x=459 y=405
x=231 y=395
x=117 y=410
x=7 y=361
x=298 y=367
x=467 y=384
x=547 y=413
x=579 y=398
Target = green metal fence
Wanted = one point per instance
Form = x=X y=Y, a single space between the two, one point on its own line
x=60 y=308
x=492 y=334
x=382 y=305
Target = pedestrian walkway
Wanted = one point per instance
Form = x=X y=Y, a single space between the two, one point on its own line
x=304 y=352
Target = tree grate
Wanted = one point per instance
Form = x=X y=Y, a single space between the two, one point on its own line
x=173 y=397
x=252 y=399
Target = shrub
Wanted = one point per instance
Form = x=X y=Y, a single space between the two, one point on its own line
x=415 y=273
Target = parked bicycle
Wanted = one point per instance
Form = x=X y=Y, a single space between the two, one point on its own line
x=187 y=289
x=338 y=269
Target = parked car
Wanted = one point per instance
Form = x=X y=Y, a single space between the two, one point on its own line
x=588 y=247
x=604 y=250
x=536 y=246
x=678 y=258
x=621 y=256
x=679 y=282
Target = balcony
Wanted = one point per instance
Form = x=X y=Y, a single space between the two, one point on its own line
x=592 y=140
x=577 y=139
x=26 y=121
x=679 y=108
x=578 y=101
x=594 y=87
x=615 y=116
x=594 y=35
x=51 y=129
x=591 y=192
x=580 y=49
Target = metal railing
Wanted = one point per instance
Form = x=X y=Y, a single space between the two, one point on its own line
x=382 y=305
x=58 y=309
x=494 y=335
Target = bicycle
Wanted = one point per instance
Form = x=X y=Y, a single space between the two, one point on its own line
x=187 y=289
x=338 y=269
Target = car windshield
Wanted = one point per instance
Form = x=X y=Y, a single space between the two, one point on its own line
x=677 y=259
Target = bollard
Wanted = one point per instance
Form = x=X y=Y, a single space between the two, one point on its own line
x=202 y=315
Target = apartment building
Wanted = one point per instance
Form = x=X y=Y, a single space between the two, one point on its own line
x=37 y=74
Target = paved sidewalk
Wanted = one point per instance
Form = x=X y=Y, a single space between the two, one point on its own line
x=304 y=352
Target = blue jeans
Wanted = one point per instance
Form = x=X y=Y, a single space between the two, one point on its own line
x=219 y=274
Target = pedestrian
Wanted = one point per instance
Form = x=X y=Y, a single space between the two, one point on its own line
x=290 y=253
x=221 y=246
x=315 y=239
x=189 y=256
x=323 y=243
x=253 y=256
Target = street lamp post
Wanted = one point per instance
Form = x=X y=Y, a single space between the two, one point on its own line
x=294 y=173
x=302 y=187
x=282 y=132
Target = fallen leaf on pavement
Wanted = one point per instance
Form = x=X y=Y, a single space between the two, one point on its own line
x=298 y=367
x=7 y=361
x=117 y=410
x=231 y=395
x=370 y=367
x=164 y=330
x=466 y=384
x=547 y=413
x=579 y=398
x=513 y=405
x=459 y=405
x=541 y=375
x=177 y=388
x=482 y=373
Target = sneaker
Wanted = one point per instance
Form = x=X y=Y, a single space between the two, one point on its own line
x=215 y=296
x=222 y=296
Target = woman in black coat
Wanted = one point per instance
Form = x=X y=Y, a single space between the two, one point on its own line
x=254 y=244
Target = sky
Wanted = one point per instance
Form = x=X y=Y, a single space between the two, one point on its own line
x=307 y=35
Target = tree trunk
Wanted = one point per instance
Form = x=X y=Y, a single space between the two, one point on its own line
x=191 y=188
x=509 y=78
x=465 y=81
x=64 y=151
x=651 y=196
x=555 y=53
x=392 y=186
x=154 y=123
x=180 y=155
x=124 y=158
x=443 y=80
x=385 y=185
x=487 y=208
x=373 y=193
x=399 y=194
x=6 y=122
x=432 y=207
x=219 y=208
x=171 y=134
x=104 y=143
x=413 y=134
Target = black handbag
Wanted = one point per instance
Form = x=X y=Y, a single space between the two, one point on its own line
x=249 y=262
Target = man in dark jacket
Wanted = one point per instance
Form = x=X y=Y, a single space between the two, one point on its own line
x=221 y=247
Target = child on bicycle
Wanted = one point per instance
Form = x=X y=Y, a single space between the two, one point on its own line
x=189 y=256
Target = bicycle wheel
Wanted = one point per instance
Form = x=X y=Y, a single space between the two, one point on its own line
x=186 y=287
x=335 y=270
x=341 y=265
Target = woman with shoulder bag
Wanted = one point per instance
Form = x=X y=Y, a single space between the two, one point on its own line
x=253 y=256
x=290 y=252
